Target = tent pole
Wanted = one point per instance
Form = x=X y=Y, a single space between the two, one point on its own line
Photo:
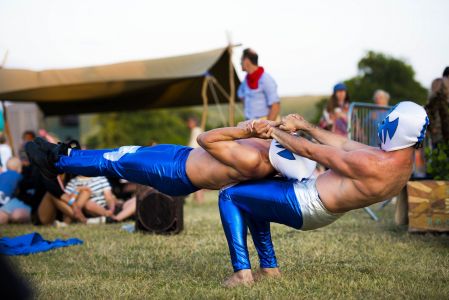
x=7 y=130
x=231 y=88
x=205 y=101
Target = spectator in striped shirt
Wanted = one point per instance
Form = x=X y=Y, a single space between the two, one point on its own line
x=101 y=201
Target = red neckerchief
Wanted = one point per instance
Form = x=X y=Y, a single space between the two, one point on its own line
x=253 y=79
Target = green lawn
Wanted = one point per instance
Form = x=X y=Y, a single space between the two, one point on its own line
x=353 y=258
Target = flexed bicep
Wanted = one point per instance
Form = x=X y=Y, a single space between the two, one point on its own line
x=223 y=145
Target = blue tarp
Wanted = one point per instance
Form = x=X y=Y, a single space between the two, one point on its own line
x=32 y=243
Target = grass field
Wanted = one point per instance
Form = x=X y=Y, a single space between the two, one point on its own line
x=353 y=258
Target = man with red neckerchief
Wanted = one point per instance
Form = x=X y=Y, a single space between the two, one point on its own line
x=258 y=90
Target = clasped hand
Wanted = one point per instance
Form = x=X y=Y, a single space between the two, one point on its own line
x=263 y=128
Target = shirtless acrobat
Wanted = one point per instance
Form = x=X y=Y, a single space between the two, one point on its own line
x=358 y=176
x=227 y=156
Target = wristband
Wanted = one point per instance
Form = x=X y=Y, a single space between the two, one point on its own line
x=71 y=201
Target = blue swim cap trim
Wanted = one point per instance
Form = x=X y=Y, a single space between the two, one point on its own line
x=423 y=130
x=285 y=153
x=387 y=128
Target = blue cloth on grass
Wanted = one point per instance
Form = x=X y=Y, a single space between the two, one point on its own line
x=32 y=243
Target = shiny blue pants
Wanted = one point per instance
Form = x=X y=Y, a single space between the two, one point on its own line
x=162 y=166
x=253 y=205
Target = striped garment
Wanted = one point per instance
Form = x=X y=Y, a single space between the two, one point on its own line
x=96 y=184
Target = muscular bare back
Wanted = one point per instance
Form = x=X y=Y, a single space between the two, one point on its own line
x=379 y=175
x=246 y=159
x=359 y=175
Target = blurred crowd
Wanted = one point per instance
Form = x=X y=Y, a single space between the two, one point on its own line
x=26 y=196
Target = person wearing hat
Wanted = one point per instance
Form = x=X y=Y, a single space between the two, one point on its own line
x=335 y=115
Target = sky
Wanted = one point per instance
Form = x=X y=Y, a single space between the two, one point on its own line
x=307 y=46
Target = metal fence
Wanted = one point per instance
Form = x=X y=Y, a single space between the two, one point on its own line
x=363 y=119
x=362 y=122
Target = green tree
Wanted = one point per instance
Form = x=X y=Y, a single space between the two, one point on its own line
x=142 y=128
x=380 y=71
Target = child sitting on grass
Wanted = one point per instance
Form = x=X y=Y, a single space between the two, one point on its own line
x=12 y=209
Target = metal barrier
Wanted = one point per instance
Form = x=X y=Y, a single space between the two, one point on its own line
x=362 y=122
x=363 y=119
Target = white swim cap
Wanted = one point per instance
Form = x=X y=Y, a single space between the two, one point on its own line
x=290 y=164
x=404 y=126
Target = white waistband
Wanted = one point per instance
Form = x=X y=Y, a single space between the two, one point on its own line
x=314 y=214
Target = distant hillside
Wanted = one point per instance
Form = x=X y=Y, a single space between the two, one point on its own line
x=303 y=105
x=217 y=116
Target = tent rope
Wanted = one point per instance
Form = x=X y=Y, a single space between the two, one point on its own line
x=223 y=91
x=215 y=96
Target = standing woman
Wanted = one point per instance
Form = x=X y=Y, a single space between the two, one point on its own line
x=335 y=116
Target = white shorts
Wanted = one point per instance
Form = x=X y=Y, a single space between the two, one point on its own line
x=314 y=214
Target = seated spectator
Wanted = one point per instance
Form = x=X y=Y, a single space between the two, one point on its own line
x=128 y=210
x=335 y=115
x=101 y=201
x=69 y=204
x=39 y=193
x=381 y=98
x=27 y=136
x=12 y=209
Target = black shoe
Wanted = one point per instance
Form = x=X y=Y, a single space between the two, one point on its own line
x=41 y=159
x=55 y=150
x=74 y=144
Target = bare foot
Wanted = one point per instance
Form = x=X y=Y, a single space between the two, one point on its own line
x=266 y=273
x=78 y=214
x=242 y=277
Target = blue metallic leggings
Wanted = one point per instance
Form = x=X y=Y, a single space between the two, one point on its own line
x=255 y=204
x=162 y=166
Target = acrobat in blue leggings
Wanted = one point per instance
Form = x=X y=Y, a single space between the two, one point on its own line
x=162 y=166
x=255 y=204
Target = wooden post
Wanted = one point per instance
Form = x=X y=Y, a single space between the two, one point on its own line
x=231 y=88
x=401 y=213
x=205 y=102
x=7 y=131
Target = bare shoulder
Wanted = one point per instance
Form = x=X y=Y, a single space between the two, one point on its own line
x=374 y=162
x=367 y=160
x=367 y=154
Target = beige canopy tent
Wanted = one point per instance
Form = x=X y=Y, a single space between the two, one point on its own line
x=156 y=83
